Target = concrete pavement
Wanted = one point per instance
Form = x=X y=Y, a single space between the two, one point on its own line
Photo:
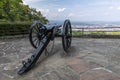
x=88 y=59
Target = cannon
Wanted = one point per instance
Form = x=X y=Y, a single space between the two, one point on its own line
x=40 y=36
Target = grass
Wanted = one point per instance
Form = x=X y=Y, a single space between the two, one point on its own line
x=77 y=33
x=113 y=33
x=80 y=33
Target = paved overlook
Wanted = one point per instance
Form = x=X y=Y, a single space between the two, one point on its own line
x=88 y=59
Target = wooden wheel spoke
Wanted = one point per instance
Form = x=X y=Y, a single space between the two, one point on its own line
x=35 y=39
x=36 y=28
x=34 y=31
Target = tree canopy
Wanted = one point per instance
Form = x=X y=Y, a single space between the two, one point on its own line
x=15 y=10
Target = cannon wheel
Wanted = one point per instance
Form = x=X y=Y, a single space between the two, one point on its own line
x=35 y=34
x=35 y=37
x=67 y=35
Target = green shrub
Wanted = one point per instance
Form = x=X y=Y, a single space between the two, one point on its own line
x=8 y=28
x=98 y=33
x=77 y=33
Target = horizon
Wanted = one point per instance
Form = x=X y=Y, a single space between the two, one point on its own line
x=85 y=21
x=88 y=23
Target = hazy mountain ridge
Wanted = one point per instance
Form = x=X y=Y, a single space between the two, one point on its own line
x=89 y=23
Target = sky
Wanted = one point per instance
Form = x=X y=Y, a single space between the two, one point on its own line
x=78 y=10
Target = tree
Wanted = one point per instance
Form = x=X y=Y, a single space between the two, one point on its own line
x=15 y=10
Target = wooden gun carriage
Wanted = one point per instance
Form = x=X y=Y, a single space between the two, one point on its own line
x=40 y=35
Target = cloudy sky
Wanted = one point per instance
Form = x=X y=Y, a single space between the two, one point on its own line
x=78 y=10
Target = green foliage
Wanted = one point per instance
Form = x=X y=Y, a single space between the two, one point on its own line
x=98 y=33
x=7 y=29
x=15 y=10
x=77 y=33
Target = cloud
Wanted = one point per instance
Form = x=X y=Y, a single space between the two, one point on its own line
x=61 y=9
x=25 y=3
x=118 y=8
x=31 y=1
x=71 y=14
x=100 y=3
x=111 y=7
x=45 y=12
x=106 y=14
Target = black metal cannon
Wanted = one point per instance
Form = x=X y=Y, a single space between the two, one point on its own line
x=40 y=35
